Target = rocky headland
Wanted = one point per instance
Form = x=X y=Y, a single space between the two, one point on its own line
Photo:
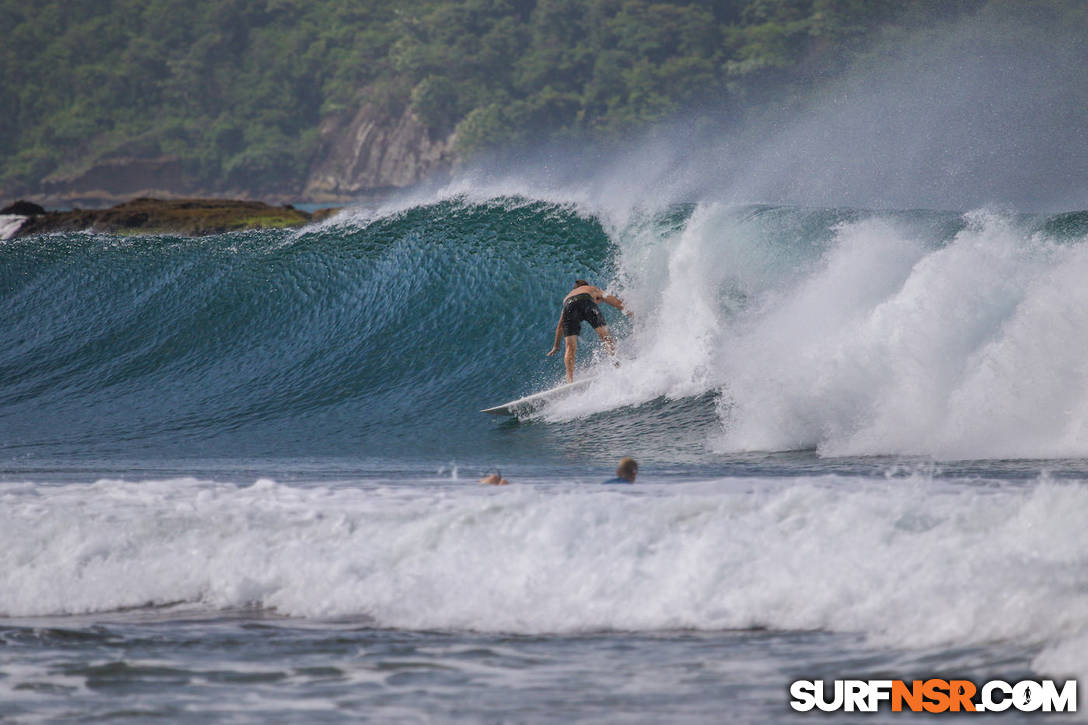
x=187 y=217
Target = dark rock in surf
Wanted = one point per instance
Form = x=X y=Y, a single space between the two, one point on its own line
x=187 y=217
x=23 y=208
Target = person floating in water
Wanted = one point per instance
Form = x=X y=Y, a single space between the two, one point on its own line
x=580 y=305
x=626 y=471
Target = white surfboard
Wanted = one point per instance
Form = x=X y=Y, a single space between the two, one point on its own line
x=536 y=401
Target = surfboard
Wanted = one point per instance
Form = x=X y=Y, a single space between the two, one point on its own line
x=536 y=401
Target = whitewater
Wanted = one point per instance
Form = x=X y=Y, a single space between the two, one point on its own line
x=238 y=473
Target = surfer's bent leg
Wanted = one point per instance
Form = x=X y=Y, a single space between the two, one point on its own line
x=571 y=342
x=606 y=338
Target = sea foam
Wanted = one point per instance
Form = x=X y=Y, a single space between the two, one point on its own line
x=9 y=224
x=909 y=562
x=858 y=333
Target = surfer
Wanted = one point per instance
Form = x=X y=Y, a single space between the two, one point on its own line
x=580 y=305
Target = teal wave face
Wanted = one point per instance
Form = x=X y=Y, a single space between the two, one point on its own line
x=355 y=338
x=757 y=328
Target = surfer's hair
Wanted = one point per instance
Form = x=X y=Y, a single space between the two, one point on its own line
x=581 y=283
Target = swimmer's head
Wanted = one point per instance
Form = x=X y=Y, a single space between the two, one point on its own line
x=627 y=469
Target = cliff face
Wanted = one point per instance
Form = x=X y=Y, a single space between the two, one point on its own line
x=370 y=153
x=373 y=152
x=120 y=176
x=113 y=179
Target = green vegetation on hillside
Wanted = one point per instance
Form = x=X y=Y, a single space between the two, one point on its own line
x=234 y=88
x=237 y=89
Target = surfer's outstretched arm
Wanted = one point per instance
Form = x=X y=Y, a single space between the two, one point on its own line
x=615 y=302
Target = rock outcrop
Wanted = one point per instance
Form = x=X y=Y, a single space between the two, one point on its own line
x=190 y=217
x=372 y=152
x=23 y=208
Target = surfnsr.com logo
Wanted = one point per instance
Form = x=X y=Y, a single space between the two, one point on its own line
x=933 y=695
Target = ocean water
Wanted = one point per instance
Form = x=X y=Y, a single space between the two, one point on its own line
x=238 y=473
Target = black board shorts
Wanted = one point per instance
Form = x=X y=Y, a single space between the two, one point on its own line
x=578 y=309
